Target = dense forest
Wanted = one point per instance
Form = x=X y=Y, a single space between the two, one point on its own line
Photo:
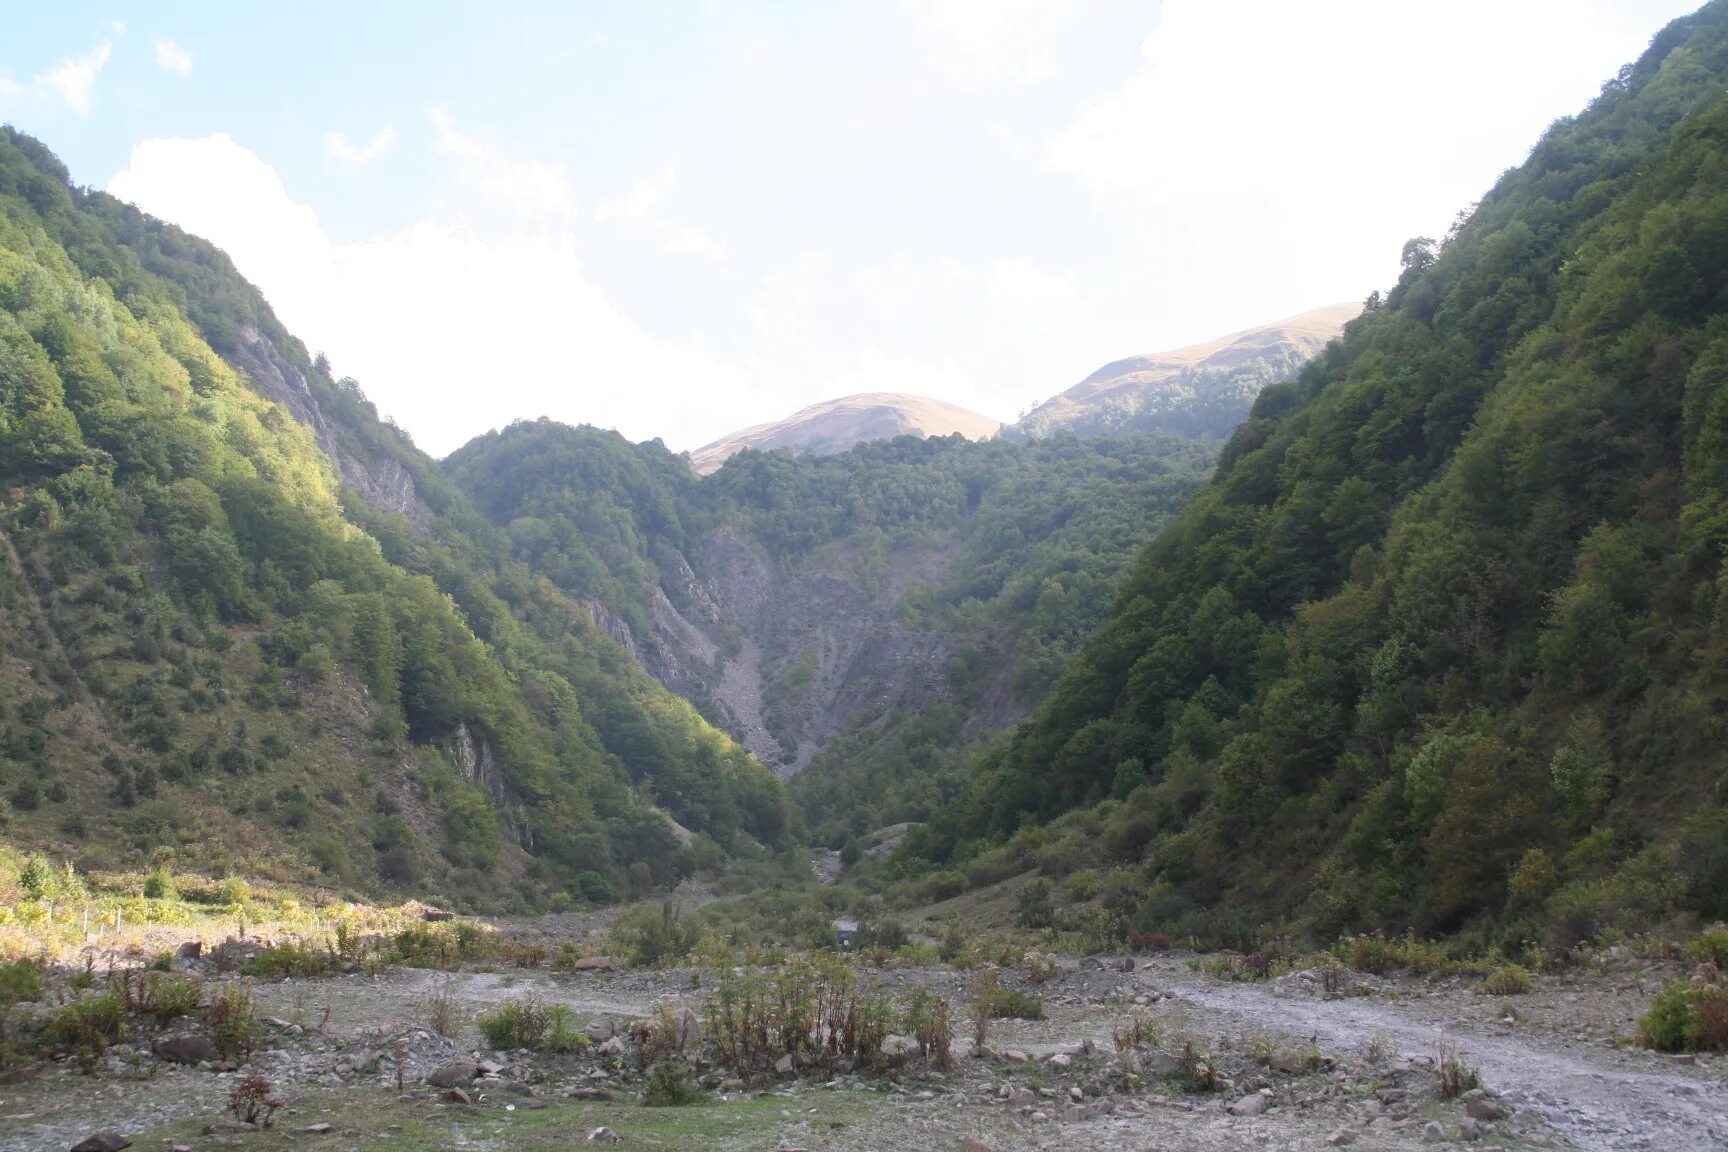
x=245 y=625
x=1442 y=642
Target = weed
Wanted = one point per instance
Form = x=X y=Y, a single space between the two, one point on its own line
x=983 y=990
x=1138 y=1031
x=527 y=1023
x=1009 y=1004
x=164 y=997
x=1379 y=1049
x=85 y=1027
x=665 y=1035
x=438 y=1010
x=20 y=981
x=252 y=1103
x=670 y=1083
x=1508 y=980
x=1456 y=1076
x=1198 y=1070
x=230 y=1018
x=1041 y=966
x=927 y=1020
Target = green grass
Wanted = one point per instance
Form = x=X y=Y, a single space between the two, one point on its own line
x=385 y=1123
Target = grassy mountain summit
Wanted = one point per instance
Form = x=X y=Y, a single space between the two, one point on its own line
x=836 y=425
x=1202 y=390
x=245 y=625
x=1441 y=643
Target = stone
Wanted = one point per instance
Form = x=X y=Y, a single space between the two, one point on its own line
x=1470 y=1128
x=452 y=1075
x=1285 y=1063
x=489 y=1068
x=613 y=1047
x=1251 y=1105
x=1341 y=1137
x=1022 y=1096
x=974 y=1145
x=530 y=1103
x=1015 y=1056
x=899 y=1047
x=319 y=1129
x=784 y=1065
x=1482 y=1108
x=1075 y=1094
x=1432 y=1133
x=600 y=1029
x=1125 y=964
x=1160 y=1064
x=601 y=1093
x=603 y=1136
x=186 y=1050
x=102 y=1142
x=594 y=964
x=457 y=1096
x=190 y=950
x=1060 y=1060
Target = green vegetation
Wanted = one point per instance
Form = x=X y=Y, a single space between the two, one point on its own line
x=1509 y=980
x=1012 y=1004
x=219 y=654
x=1441 y=643
x=527 y=1023
x=1687 y=1016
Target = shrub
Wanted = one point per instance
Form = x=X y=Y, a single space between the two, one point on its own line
x=669 y=1084
x=1509 y=980
x=1009 y=1004
x=229 y=1016
x=1198 y=1070
x=293 y=958
x=527 y=1023
x=1040 y=966
x=1034 y=908
x=252 y=1103
x=814 y=1012
x=1711 y=947
x=86 y=1026
x=983 y=992
x=1138 y=1031
x=927 y=1020
x=1686 y=1017
x=159 y=885
x=1456 y=1076
x=438 y=1011
x=653 y=937
x=20 y=981
x=164 y=997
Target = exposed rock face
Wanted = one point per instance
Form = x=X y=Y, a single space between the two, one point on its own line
x=385 y=485
x=785 y=658
x=477 y=761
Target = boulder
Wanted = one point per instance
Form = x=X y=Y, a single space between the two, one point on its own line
x=1159 y=1064
x=783 y=1066
x=603 y=1136
x=435 y=915
x=186 y=1050
x=453 y=1075
x=594 y=964
x=1483 y=1108
x=613 y=1047
x=102 y=1142
x=600 y=1029
x=1432 y=1133
x=594 y=1093
x=1251 y=1105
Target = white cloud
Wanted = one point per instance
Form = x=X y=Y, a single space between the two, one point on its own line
x=171 y=56
x=640 y=208
x=74 y=80
x=454 y=330
x=528 y=187
x=992 y=43
x=380 y=143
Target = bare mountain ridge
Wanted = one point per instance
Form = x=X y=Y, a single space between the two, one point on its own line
x=839 y=424
x=1201 y=390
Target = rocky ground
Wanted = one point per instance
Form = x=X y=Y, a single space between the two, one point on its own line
x=351 y=1055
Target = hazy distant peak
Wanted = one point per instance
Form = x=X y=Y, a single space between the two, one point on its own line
x=836 y=425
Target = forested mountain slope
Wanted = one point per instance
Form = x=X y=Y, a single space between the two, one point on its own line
x=861 y=617
x=1443 y=642
x=245 y=625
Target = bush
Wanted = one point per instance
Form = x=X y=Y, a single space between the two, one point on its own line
x=159 y=885
x=229 y=1016
x=166 y=997
x=655 y=937
x=1509 y=980
x=293 y=958
x=85 y=1027
x=1009 y=1004
x=252 y=1101
x=20 y=981
x=1711 y=947
x=669 y=1084
x=1687 y=1017
x=1033 y=908
x=527 y=1023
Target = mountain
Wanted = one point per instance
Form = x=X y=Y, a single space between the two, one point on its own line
x=245 y=625
x=1202 y=390
x=836 y=425
x=857 y=620
x=1443 y=643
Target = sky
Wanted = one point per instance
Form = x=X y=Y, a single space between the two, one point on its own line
x=677 y=219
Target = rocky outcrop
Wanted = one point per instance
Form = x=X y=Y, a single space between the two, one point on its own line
x=384 y=484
